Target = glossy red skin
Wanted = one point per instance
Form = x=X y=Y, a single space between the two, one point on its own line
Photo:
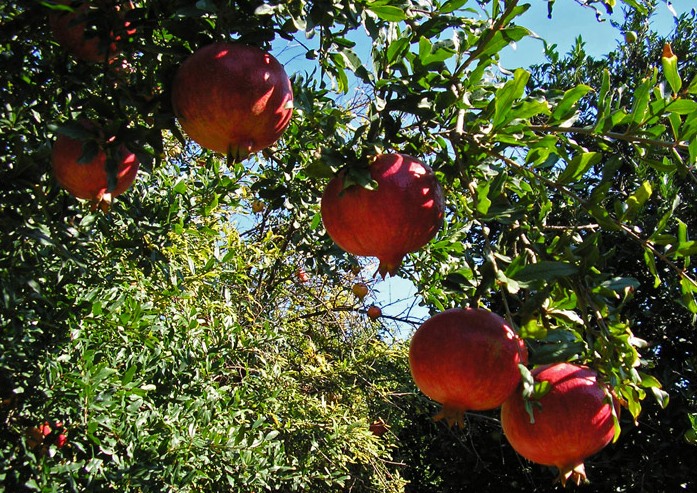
x=232 y=98
x=401 y=216
x=69 y=31
x=89 y=180
x=574 y=422
x=466 y=359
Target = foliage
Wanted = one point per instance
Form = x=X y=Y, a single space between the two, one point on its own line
x=172 y=336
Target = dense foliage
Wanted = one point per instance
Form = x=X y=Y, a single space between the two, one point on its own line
x=202 y=334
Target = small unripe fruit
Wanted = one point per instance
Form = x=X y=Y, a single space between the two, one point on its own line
x=257 y=206
x=360 y=290
x=630 y=36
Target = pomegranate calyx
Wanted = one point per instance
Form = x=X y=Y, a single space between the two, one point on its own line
x=389 y=266
x=454 y=417
x=575 y=475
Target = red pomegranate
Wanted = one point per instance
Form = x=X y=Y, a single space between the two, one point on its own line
x=401 y=216
x=467 y=360
x=89 y=180
x=574 y=420
x=69 y=30
x=232 y=98
x=374 y=312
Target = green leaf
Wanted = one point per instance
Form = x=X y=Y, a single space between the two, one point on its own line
x=682 y=106
x=546 y=270
x=641 y=101
x=483 y=201
x=691 y=435
x=578 y=166
x=692 y=88
x=635 y=201
x=502 y=39
x=604 y=102
x=388 y=13
x=511 y=90
x=566 y=107
x=396 y=49
x=452 y=6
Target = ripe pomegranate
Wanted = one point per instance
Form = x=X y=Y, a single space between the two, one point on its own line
x=360 y=290
x=232 y=98
x=61 y=440
x=466 y=359
x=69 y=30
x=301 y=275
x=401 y=216
x=89 y=180
x=374 y=312
x=574 y=420
x=378 y=427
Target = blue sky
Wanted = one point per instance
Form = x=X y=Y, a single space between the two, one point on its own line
x=569 y=20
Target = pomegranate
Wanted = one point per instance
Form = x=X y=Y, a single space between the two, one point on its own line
x=258 y=206
x=374 y=312
x=61 y=440
x=89 y=180
x=301 y=275
x=401 y=216
x=573 y=420
x=69 y=30
x=360 y=289
x=378 y=427
x=232 y=98
x=466 y=359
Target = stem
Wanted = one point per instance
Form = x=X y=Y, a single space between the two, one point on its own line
x=484 y=40
x=634 y=139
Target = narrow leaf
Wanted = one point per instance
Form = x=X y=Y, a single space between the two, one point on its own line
x=512 y=90
x=565 y=109
x=388 y=13
x=578 y=166
x=545 y=271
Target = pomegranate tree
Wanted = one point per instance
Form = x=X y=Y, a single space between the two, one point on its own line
x=466 y=359
x=571 y=421
x=232 y=98
x=69 y=29
x=401 y=216
x=88 y=180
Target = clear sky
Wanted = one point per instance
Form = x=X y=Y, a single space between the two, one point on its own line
x=569 y=20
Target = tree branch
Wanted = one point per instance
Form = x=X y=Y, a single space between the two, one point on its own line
x=634 y=139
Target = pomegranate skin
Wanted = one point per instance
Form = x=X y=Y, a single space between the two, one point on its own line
x=401 y=216
x=232 y=98
x=575 y=420
x=68 y=30
x=467 y=360
x=88 y=181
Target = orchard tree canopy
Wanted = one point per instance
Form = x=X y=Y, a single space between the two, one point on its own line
x=201 y=331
